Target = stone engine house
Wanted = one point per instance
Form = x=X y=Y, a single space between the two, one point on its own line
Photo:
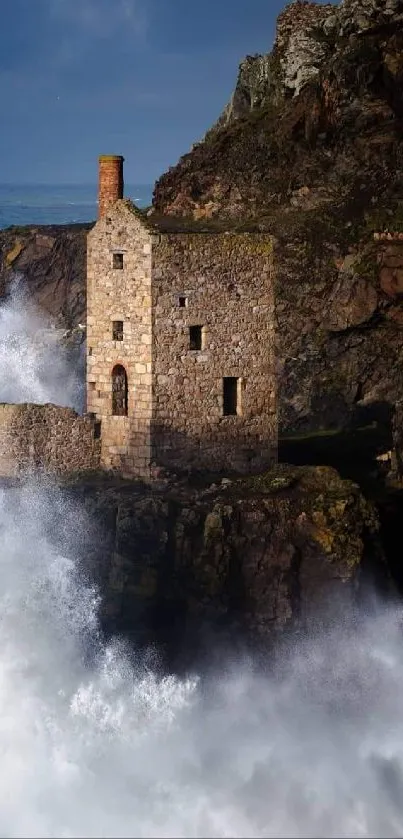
x=180 y=340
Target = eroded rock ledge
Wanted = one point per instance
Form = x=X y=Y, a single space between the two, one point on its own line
x=255 y=556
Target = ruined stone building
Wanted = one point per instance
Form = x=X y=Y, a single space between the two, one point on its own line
x=180 y=340
x=180 y=353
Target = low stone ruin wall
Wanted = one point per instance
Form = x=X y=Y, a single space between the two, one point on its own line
x=46 y=438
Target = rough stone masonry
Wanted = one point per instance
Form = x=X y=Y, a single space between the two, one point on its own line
x=180 y=341
x=46 y=438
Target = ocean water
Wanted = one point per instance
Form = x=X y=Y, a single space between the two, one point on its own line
x=68 y=204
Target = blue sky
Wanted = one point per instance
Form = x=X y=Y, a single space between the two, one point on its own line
x=142 y=78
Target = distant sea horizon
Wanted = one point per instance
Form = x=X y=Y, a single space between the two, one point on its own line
x=58 y=204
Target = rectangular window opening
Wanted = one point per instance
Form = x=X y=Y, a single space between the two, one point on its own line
x=182 y=301
x=195 y=337
x=231 y=394
x=117 y=330
x=97 y=430
x=117 y=260
x=92 y=385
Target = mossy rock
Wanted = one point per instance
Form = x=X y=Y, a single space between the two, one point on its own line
x=12 y=255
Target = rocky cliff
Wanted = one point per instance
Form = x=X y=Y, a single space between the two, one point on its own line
x=327 y=102
x=310 y=147
x=51 y=260
x=256 y=556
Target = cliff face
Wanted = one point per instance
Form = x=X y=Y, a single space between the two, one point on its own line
x=306 y=36
x=51 y=260
x=258 y=555
x=297 y=56
x=311 y=149
x=324 y=107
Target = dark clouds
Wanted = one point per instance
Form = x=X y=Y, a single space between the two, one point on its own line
x=144 y=78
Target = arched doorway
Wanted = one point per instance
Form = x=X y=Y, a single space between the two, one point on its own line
x=119 y=391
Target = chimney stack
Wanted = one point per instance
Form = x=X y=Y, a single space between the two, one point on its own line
x=110 y=183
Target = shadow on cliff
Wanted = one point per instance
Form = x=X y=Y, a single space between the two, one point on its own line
x=351 y=450
x=201 y=569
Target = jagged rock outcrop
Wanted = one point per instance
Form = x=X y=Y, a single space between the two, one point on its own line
x=258 y=555
x=256 y=85
x=331 y=84
x=358 y=16
x=304 y=34
x=296 y=58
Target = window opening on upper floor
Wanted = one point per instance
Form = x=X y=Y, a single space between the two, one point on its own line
x=231 y=393
x=195 y=337
x=182 y=301
x=119 y=391
x=117 y=260
x=117 y=330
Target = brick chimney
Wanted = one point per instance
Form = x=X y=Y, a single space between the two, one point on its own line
x=110 y=183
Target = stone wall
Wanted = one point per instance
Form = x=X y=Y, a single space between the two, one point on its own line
x=120 y=294
x=226 y=285
x=46 y=437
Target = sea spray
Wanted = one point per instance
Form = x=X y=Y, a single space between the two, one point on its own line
x=35 y=365
x=104 y=745
x=95 y=742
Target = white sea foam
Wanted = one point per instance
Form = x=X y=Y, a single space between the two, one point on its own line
x=94 y=742
x=94 y=745
x=34 y=366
